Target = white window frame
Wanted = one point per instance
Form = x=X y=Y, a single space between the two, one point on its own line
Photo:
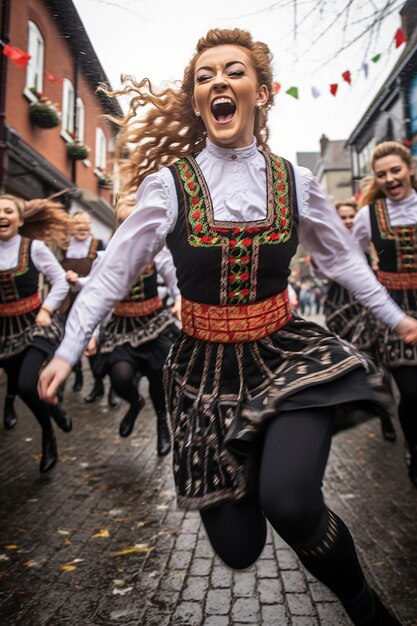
x=100 y=151
x=34 y=69
x=80 y=119
x=67 y=125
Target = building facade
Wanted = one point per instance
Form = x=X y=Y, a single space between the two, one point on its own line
x=54 y=136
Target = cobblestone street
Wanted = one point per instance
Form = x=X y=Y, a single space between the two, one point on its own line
x=99 y=542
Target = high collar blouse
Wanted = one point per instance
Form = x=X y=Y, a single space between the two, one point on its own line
x=236 y=179
x=78 y=249
x=44 y=261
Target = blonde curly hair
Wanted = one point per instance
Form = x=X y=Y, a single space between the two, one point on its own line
x=169 y=129
x=368 y=186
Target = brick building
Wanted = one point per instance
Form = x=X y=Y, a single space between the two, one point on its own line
x=64 y=69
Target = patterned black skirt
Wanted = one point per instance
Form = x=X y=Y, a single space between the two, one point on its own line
x=18 y=332
x=221 y=396
x=348 y=319
x=137 y=340
x=393 y=350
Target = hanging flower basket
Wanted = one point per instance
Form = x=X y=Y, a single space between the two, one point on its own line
x=77 y=151
x=43 y=115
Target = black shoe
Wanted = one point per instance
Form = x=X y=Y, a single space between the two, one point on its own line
x=163 y=445
x=387 y=429
x=412 y=468
x=128 y=422
x=79 y=378
x=96 y=392
x=113 y=399
x=62 y=418
x=370 y=611
x=9 y=414
x=49 y=452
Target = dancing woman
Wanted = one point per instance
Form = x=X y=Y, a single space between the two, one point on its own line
x=252 y=389
x=388 y=219
x=29 y=329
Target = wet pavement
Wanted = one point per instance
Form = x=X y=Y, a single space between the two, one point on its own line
x=99 y=542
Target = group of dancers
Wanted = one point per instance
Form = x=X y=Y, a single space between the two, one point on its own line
x=251 y=389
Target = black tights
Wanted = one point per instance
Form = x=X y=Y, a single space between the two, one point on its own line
x=25 y=370
x=406 y=380
x=292 y=466
x=123 y=378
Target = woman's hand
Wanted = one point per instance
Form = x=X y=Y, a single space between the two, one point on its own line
x=43 y=318
x=91 y=348
x=176 y=309
x=407 y=329
x=51 y=377
x=71 y=277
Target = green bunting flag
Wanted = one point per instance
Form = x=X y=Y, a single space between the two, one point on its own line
x=293 y=91
x=376 y=58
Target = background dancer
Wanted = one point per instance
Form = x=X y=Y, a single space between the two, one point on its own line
x=29 y=329
x=136 y=339
x=388 y=219
x=346 y=317
x=251 y=388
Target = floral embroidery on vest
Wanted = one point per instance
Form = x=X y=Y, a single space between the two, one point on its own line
x=241 y=240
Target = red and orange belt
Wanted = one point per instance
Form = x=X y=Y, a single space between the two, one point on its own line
x=20 y=307
x=235 y=323
x=398 y=280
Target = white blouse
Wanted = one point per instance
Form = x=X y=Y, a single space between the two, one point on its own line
x=78 y=249
x=45 y=263
x=401 y=213
x=243 y=198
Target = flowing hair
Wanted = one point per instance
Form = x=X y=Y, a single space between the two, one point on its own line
x=368 y=186
x=168 y=128
x=43 y=218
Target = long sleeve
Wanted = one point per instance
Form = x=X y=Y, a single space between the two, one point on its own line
x=131 y=249
x=166 y=268
x=46 y=263
x=337 y=255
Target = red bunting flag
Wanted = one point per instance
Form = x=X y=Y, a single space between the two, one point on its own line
x=400 y=38
x=333 y=88
x=52 y=78
x=276 y=87
x=16 y=55
x=347 y=76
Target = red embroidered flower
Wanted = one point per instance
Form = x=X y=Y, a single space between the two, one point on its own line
x=195 y=200
x=247 y=242
x=244 y=276
x=280 y=174
x=281 y=187
x=245 y=259
x=196 y=215
x=273 y=236
x=183 y=165
x=191 y=186
x=231 y=294
x=235 y=231
x=232 y=243
x=282 y=199
x=278 y=164
x=283 y=210
x=232 y=278
x=283 y=222
x=252 y=230
x=199 y=227
x=220 y=230
x=207 y=239
x=244 y=292
x=187 y=174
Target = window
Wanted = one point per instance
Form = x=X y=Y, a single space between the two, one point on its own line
x=34 y=69
x=101 y=149
x=67 y=110
x=80 y=116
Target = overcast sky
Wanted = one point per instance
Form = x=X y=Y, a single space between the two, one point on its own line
x=156 y=39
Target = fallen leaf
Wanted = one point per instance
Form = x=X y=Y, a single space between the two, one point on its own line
x=140 y=547
x=162 y=507
x=67 y=542
x=67 y=568
x=169 y=493
x=63 y=532
x=118 y=582
x=102 y=533
x=30 y=563
x=145 y=522
x=12 y=547
x=4 y=557
x=28 y=439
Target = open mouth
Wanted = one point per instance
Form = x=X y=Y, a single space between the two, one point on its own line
x=394 y=188
x=4 y=225
x=223 y=109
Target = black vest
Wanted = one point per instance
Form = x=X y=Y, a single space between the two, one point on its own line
x=224 y=263
x=21 y=281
